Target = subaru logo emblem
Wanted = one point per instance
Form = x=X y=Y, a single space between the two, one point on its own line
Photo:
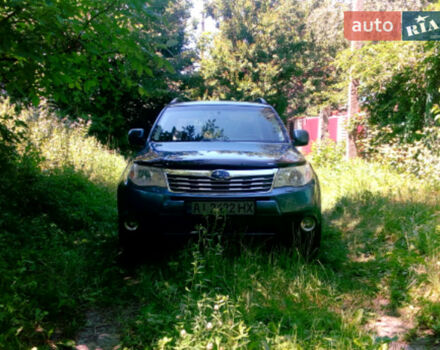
x=220 y=175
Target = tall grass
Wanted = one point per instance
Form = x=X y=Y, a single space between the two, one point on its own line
x=381 y=235
x=57 y=216
x=60 y=143
x=380 y=255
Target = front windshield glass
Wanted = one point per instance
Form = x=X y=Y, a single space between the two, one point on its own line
x=219 y=123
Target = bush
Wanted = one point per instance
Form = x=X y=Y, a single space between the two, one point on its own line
x=327 y=152
x=420 y=157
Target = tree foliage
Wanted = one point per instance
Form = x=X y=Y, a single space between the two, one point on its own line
x=117 y=62
x=110 y=60
x=399 y=83
x=265 y=48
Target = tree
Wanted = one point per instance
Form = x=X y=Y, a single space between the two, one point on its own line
x=104 y=60
x=399 y=84
x=270 y=49
x=256 y=52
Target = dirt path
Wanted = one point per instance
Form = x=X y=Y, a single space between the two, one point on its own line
x=396 y=327
x=99 y=333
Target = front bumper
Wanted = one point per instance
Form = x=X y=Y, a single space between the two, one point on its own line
x=159 y=211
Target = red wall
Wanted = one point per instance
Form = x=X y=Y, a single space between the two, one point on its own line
x=311 y=125
x=333 y=128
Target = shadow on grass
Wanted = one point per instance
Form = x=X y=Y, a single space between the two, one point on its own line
x=373 y=242
x=58 y=244
x=58 y=236
x=370 y=245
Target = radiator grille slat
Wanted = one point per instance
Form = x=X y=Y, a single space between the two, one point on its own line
x=196 y=183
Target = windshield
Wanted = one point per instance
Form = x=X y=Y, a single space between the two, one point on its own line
x=219 y=123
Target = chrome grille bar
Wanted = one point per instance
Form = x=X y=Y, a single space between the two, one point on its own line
x=197 y=181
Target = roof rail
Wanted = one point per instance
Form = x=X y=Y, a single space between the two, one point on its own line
x=261 y=100
x=175 y=100
x=178 y=100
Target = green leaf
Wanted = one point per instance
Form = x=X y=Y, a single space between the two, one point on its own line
x=35 y=100
x=89 y=84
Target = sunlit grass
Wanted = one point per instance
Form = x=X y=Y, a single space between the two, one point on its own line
x=380 y=256
x=380 y=228
x=57 y=230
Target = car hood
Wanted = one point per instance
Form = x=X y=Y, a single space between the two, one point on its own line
x=225 y=155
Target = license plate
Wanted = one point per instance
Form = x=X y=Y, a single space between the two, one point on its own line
x=223 y=208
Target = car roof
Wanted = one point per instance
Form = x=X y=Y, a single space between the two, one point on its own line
x=219 y=103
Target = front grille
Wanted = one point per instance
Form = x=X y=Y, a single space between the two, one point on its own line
x=202 y=183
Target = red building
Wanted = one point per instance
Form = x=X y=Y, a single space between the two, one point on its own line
x=316 y=127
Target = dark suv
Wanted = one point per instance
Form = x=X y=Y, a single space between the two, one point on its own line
x=233 y=160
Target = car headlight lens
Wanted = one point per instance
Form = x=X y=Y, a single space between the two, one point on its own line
x=294 y=176
x=142 y=175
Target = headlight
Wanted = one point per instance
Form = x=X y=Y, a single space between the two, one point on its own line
x=146 y=176
x=293 y=176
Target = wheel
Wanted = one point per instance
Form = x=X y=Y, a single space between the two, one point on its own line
x=307 y=243
x=135 y=242
x=128 y=240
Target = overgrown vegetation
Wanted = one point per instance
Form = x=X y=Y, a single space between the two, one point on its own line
x=421 y=156
x=106 y=66
x=327 y=152
x=380 y=255
x=57 y=227
x=113 y=62
x=399 y=85
x=272 y=49
x=118 y=63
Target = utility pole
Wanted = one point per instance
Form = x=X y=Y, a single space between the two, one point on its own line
x=353 y=101
x=202 y=51
x=203 y=16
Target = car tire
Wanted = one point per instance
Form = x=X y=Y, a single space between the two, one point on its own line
x=135 y=244
x=307 y=243
x=128 y=241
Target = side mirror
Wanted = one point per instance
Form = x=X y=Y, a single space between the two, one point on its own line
x=136 y=137
x=300 y=137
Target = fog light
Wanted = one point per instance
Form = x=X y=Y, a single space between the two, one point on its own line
x=131 y=225
x=308 y=224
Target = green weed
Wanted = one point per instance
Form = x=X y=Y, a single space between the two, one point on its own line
x=380 y=255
